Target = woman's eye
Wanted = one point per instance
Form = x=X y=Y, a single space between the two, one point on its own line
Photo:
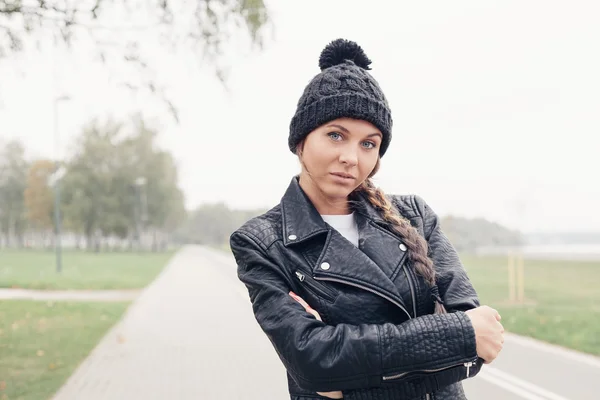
x=369 y=145
x=335 y=136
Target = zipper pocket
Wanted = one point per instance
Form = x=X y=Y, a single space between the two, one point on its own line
x=315 y=287
x=466 y=365
x=369 y=290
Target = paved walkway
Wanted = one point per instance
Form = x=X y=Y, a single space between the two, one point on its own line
x=69 y=295
x=191 y=335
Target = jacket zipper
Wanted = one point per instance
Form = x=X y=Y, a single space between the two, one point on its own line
x=311 y=285
x=412 y=289
x=367 y=289
x=467 y=365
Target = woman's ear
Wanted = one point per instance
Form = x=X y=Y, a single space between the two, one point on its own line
x=299 y=149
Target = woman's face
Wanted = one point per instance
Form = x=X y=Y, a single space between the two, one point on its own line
x=337 y=157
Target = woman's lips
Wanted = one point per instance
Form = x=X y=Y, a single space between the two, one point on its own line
x=342 y=177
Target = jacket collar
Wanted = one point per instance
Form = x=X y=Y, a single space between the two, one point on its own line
x=301 y=220
x=373 y=265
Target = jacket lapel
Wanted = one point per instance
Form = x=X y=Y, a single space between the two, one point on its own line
x=384 y=248
x=341 y=261
x=372 y=266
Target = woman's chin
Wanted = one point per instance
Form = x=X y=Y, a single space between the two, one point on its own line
x=336 y=192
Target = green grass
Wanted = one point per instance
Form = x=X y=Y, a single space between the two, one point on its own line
x=42 y=343
x=562 y=299
x=81 y=270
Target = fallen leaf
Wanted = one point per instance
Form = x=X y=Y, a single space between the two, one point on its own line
x=40 y=353
x=51 y=366
x=2 y=385
x=120 y=338
x=14 y=326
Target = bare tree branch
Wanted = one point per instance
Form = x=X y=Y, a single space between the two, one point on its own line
x=204 y=27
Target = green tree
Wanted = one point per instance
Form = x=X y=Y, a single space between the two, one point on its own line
x=13 y=176
x=102 y=192
x=38 y=196
x=157 y=205
x=212 y=224
x=468 y=234
x=87 y=185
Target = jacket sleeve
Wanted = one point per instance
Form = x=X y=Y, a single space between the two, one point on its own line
x=458 y=295
x=454 y=285
x=322 y=357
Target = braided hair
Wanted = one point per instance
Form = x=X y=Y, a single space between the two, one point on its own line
x=415 y=243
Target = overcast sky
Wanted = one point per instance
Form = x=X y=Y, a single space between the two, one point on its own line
x=496 y=106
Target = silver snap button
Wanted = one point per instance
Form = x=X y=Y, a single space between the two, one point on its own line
x=402 y=246
x=292 y=237
x=325 y=266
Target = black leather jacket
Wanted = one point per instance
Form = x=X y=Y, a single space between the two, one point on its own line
x=379 y=338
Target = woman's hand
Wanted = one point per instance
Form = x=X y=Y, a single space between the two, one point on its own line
x=305 y=305
x=309 y=309
x=489 y=332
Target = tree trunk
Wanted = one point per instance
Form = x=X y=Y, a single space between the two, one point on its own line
x=11 y=230
x=154 y=240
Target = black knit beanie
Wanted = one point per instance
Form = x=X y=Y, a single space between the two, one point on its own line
x=343 y=89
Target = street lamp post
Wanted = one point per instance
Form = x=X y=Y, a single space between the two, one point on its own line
x=57 y=217
x=141 y=202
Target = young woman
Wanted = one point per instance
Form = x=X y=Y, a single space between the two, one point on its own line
x=361 y=294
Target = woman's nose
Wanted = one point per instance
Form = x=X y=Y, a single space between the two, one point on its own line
x=349 y=157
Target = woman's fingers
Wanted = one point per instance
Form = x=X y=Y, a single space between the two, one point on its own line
x=300 y=300
x=331 y=395
x=315 y=314
x=304 y=304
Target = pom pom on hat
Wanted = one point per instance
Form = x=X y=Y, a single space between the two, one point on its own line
x=341 y=50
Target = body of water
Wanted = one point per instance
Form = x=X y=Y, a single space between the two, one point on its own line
x=589 y=252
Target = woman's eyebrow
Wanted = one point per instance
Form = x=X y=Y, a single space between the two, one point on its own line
x=341 y=128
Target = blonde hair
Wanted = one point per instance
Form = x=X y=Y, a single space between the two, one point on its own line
x=416 y=244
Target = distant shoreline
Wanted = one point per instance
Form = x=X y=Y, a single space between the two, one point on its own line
x=579 y=252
